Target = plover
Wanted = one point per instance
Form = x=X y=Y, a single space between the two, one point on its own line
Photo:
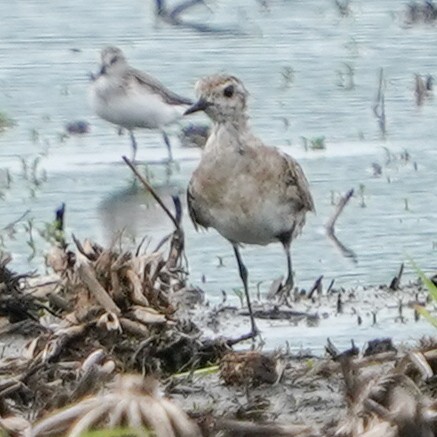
x=133 y=99
x=248 y=192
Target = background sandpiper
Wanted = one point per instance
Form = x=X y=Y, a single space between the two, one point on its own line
x=133 y=99
x=248 y=192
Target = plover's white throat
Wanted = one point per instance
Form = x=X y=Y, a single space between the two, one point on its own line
x=248 y=192
x=132 y=99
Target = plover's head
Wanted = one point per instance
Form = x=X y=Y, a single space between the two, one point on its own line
x=222 y=97
x=113 y=60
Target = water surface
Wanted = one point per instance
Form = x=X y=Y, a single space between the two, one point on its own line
x=47 y=50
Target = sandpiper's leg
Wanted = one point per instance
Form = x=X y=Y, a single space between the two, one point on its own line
x=134 y=145
x=167 y=143
x=243 y=275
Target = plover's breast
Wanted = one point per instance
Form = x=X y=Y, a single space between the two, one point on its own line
x=241 y=206
x=261 y=225
x=131 y=105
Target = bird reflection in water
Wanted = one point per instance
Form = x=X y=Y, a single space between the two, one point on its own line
x=134 y=213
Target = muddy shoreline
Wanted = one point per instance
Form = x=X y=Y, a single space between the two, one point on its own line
x=107 y=312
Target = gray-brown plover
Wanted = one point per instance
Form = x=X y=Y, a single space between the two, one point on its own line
x=248 y=192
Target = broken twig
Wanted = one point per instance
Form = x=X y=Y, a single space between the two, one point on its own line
x=394 y=284
x=330 y=227
x=316 y=287
x=89 y=279
x=151 y=191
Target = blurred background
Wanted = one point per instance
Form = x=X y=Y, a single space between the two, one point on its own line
x=313 y=70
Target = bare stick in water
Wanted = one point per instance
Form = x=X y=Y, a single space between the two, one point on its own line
x=396 y=281
x=330 y=227
x=379 y=106
x=316 y=287
x=151 y=191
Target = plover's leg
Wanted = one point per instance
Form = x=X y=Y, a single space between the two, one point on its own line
x=289 y=282
x=243 y=275
x=134 y=145
x=167 y=143
x=284 y=291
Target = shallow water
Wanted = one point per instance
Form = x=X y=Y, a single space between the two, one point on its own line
x=43 y=85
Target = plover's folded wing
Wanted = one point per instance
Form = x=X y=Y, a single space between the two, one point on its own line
x=157 y=87
x=296 y=179
x=194 y=209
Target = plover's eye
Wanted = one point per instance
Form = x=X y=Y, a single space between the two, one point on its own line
x=228 y=91
x=113 y=60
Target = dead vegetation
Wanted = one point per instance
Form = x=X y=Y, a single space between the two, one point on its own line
x=131 y=402
x=424 y=12
x=108 y=316
x=393 y=402
x=110 y=307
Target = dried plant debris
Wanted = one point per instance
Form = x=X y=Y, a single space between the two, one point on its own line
x=420 y=12
x=20 y=309
x=248 y=368
x=104 y=310
x=131 y=403
x=378 y=346
x=122 y=302
x=14 y=426
x=107 y=313
x=250 y=429
x=385 y=404
x=77 y=127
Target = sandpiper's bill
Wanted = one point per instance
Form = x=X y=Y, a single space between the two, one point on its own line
x=133 y=99
x=248 y=192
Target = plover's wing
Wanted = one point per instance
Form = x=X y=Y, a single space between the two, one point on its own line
x=193 y=211
x=157 y=87
x=296 y=179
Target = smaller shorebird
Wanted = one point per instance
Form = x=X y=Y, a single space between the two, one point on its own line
x=132 y=99
x=248 y=192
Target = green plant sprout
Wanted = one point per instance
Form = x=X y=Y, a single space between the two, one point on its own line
x=315 y=143
x=432 y=289
x=52 y=234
